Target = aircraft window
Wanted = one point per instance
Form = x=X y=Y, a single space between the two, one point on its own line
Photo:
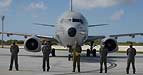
x=70 y=20
x=77 y=20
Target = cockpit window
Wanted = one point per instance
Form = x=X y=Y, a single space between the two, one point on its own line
x=77 y=20
x=65 y=20
x=72 y=20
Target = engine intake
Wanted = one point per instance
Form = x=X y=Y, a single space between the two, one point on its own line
x=72 y=32
x=111 y=44
x=32 y=44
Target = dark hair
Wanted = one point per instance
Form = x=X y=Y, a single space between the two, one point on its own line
x=131 y=44
x=13 y=43
x=49 y=41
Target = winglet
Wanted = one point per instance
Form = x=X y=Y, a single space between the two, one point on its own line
x=71 y=8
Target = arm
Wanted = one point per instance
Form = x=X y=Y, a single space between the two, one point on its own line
x=106 y=52
x=127 y=51
x=100 y=50
x=135 y=51
x=11 y=49
x=80 y=49
x=17 y=49
x=42 y=49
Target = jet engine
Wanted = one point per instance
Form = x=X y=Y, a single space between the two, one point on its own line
x=32 y=44
x=111 y=44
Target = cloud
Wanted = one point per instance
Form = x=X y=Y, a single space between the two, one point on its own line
x=88 y=4
x=37 y=6
x=117 y=15
x=4 y=4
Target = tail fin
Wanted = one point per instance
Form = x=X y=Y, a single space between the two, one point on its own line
x=71 y=8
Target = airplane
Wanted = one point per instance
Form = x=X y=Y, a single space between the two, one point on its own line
x=71 y=27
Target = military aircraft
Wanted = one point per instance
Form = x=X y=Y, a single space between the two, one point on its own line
x=71 y=27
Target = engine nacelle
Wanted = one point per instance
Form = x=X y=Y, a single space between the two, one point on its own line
x=111 y=44
x=32 y=44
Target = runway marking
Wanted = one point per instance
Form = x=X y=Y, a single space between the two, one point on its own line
x=112 y=65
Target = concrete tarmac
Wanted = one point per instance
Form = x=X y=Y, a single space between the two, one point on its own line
x=31 y=64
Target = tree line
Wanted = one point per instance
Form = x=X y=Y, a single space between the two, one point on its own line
x=9 y=42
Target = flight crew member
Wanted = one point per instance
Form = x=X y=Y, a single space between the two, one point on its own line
x=103 y=58
x=76 y=57
x=131 y=52
x=46 y=49
x=14 y=49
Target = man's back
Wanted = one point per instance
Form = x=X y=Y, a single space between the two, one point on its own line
x=103 y=53
x=46 y=49
x=14 y=49
x=131 y=52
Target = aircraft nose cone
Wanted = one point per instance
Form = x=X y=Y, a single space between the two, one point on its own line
x=72 y=32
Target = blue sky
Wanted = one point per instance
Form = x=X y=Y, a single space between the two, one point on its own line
x=123 y=16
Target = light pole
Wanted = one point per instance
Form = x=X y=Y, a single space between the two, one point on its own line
x=2 y=30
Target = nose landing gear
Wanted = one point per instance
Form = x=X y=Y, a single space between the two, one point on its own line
x=91 y=50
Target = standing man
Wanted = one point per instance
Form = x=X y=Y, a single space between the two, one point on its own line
x=131 y=52
x=14 y=49
x=46 y=49
x=103 y=58
x=76 y=57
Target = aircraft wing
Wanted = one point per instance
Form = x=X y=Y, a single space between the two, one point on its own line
x=91 y=38
x=28 y=35
x=19 y=34
x=97 y=25
x=49 y=25
x=51 y=38
x=123 y=35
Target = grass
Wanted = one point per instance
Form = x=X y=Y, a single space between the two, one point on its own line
x=119 y=51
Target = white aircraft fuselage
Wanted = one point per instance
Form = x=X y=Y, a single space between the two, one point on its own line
x=71 y=27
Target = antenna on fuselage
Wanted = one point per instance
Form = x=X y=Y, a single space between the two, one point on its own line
x=71 y=5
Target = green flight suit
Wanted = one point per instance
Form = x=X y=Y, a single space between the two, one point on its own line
x=46 y=49
x=76 y=58
x=103 y=58
x=131 y=52
x=14 y=49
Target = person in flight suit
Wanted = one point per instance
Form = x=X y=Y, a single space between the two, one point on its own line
x=14 y=49
x=131 y=52
x=76 y=57
x=103 y=58
x=46 y=49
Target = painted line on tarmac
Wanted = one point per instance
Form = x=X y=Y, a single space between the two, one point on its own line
x=112 y=65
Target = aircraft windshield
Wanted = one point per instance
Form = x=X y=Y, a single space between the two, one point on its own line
x=72 y=20
x=77 y=20
x=65 y=20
